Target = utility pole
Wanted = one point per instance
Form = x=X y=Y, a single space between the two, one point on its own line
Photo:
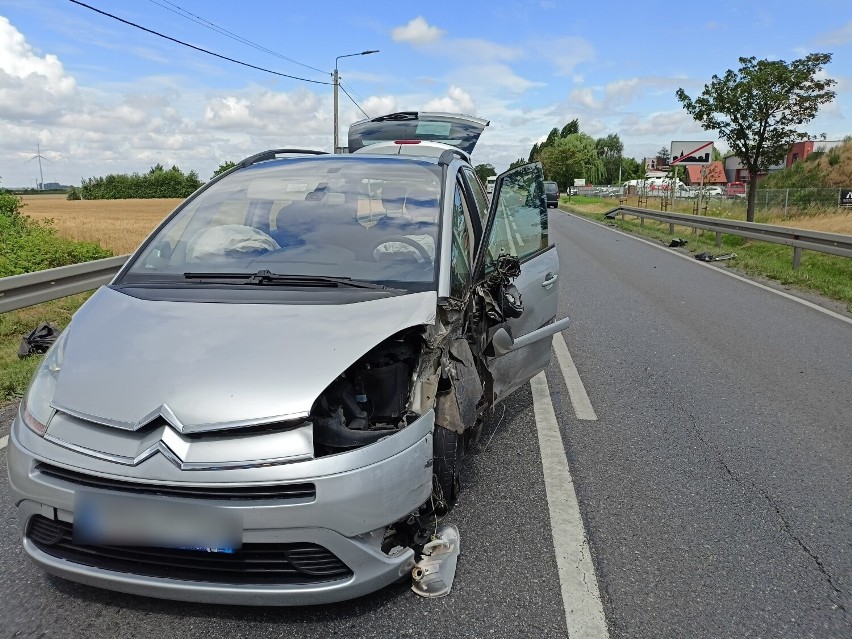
x=336 y=81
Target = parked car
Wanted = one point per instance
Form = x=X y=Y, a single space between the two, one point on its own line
x=274 y=395
x=551 y=192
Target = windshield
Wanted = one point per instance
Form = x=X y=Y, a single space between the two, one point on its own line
x=373 y=220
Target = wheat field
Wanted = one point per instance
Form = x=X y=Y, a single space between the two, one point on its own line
x=118 y=225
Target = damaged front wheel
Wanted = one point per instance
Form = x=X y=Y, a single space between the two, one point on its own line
x=448 y=455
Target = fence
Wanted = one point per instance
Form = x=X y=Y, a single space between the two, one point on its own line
x=775 y=201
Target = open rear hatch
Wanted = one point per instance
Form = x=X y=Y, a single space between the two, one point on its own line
x=455 y=129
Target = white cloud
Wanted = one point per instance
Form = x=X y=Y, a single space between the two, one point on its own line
x=417 y=32
x=566 y=53
x=491 y=80
x=585 y=98
x=660 y=124
x=456 y=101
x=837 y=37
x=485 y=50
x=31 y=86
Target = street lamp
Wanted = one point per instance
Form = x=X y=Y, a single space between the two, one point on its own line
x=336 y=78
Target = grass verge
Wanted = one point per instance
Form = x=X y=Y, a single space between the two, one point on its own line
x=827 y=275
x=15 y=373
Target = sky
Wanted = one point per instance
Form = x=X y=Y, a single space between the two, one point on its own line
x=99 y=96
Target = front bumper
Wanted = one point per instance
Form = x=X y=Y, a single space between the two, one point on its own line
x=357 y=496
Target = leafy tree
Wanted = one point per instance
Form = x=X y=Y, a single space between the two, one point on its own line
x=631 y=169
x=758 y=109
x=610 y=150
x=551 y=138
x=227 y=165
x=664 y=155
x=534 y=152
x=572 y=127
x=573 y=157
x=517 y=163
x=483 y=171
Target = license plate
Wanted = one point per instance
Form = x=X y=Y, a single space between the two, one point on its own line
x=131 y=520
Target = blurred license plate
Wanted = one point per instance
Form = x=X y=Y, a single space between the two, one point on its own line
x=130 y=520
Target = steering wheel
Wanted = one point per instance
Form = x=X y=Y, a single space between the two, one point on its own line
x=402 y=239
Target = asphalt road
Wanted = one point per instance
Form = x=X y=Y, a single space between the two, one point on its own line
x=715 y=486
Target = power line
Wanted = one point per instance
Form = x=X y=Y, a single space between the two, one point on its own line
x=354 y=92
x=192 y=46
x=355 y=103
x=230 y=34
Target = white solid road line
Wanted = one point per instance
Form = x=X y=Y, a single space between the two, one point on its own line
x=804 y=302
x=3 y=441
x=576 y=391
x=578 y=584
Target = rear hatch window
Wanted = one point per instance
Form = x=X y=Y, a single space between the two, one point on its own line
x=461 y=131
x=550 y=187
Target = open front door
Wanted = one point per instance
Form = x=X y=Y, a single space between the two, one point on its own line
x=517 y=226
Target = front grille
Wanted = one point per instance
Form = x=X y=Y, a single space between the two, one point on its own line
x=302 y=492
x=300 y=563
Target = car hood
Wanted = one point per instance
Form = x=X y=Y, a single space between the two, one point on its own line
x=207 y=366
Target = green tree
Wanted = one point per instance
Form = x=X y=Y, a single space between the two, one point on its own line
x=569 y=129
x=518 y=162
x=573 y=157
x=534 y=153
x=758 y=109
x=631 y=169
x=610 y=150
x=483 y=171
x=227 y=165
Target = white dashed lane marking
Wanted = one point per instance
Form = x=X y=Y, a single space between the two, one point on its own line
x=576 y=391
x=578 y=583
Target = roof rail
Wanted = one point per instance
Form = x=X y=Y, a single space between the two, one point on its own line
x=272 y=153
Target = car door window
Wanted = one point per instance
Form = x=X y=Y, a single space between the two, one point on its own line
x=478 y=194
x=519 y=227
x=460 y=255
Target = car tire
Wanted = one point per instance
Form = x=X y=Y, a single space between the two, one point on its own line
x=448 y=447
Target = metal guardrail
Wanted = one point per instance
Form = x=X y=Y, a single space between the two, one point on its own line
x=19 y=291
x=799 y=239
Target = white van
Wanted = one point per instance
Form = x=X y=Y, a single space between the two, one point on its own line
x=490 y=181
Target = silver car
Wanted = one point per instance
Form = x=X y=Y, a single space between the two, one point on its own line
x=276 y=391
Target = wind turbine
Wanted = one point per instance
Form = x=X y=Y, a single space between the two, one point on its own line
x=40 y=158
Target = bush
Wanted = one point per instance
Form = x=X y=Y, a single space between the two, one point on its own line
x=156 y=183
x=27 y=245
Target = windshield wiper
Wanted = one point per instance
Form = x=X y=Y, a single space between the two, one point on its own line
x=268 y=277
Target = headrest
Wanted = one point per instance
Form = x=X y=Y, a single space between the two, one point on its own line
x=393 y=197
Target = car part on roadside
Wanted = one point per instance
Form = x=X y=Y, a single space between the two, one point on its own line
x=433 y=575
x=709 y=257
x=676 y=242
x=38 y=340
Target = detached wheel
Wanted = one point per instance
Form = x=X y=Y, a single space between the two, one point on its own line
x=448 y=449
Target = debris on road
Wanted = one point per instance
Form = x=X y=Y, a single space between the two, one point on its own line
x=709 y=257
x=433 y=575
x=39 y=340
